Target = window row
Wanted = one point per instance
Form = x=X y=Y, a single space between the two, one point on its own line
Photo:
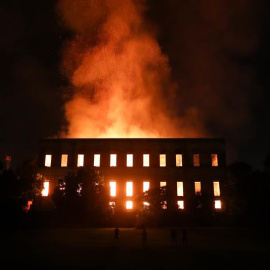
x=163 y=204
x=179 y=188
x=129 y=160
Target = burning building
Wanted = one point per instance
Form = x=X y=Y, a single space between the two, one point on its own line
x=187 y=167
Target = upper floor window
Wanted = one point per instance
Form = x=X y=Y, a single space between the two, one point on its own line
x=198 y=188
x=96 y=160
x=129 y=160
x=216 y=188
x=180 y=204
x=146 y=160
x=146 y=186
x=80 y=160
x=163 y=184
x=214 y=158
x=129 y=189
x=64 y=160
x=217 y=204
x=179 y=160
x=180 y=189
x=113 y=188
x=162 y=160
x=48 y=160
x=113 y=160
x=196 y=160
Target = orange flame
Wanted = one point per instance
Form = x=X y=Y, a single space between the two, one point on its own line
x=119 y=75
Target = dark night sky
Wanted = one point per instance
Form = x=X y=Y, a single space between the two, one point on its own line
x=31 y=90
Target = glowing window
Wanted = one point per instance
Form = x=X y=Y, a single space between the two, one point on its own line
x=112 y=205
x=64 y=160
x=129 y=160
x=113 y=189
x=48 y=160
x=146 y=186
x=45 y=190
x=146 y=203
x=180 y=204
x=146 y=160
x=180 y=189
x=198 y=188
x=113 y=160
x=129 y=189
x=216 y=189
x=129 y=205
x=214 y=160
x=179 y=160
x=96 y=160
x=196 y=160
x=162 y=160
x=80 y=160
x=163 y=204
x=163 y=184
x=218 y=204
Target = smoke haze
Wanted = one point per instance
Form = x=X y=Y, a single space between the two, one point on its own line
x=121 y=80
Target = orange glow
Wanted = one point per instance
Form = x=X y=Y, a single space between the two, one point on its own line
x=48 y=160
x=121 y=81
x=113 y=158
x=113 y=189
x=146 y=186
x=163 y=184
x=45 y=190
x=214 y=160
x=180 y=204
x=146 y=160
x=129 y=189
x=179 y=161
x=180 y=189
x=96 y=160
x=162 y=160
x=198 y=188
x=80 y=160
x=196 y=160
x=216 y=188
x=129 y=205
x=146 y=203
x=129 y=160
x=64 y=160
x=217 y=204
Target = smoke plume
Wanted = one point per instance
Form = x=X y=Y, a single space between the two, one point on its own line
x=121 y=82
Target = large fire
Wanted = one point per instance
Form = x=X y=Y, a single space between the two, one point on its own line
x=120 y=77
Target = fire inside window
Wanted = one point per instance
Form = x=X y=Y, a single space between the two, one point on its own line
x=214 y=160
x=179 y=160
x=198 y=188
x=129 y=189
x=129 y=205
x=48 y=160
x=146 y=160
x=129 y=160
x=146 y=186
x=64 y=160
x=96 y=160
x=162 y=160
x=45 y=190
x=113 y=189
x=80 y=160
x=113 y=160
x=180 y=204
x=217 y=204
x=216 y=188
x=163 y=184
x=196 y=160
x=180 y=189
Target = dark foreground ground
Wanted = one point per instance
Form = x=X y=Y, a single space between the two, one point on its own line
x=208 y=248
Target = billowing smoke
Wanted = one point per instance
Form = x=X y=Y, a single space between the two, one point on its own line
x=121 y=82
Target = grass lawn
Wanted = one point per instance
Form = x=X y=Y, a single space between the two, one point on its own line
x=208 y=248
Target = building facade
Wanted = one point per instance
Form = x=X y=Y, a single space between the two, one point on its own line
x=187 y=167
